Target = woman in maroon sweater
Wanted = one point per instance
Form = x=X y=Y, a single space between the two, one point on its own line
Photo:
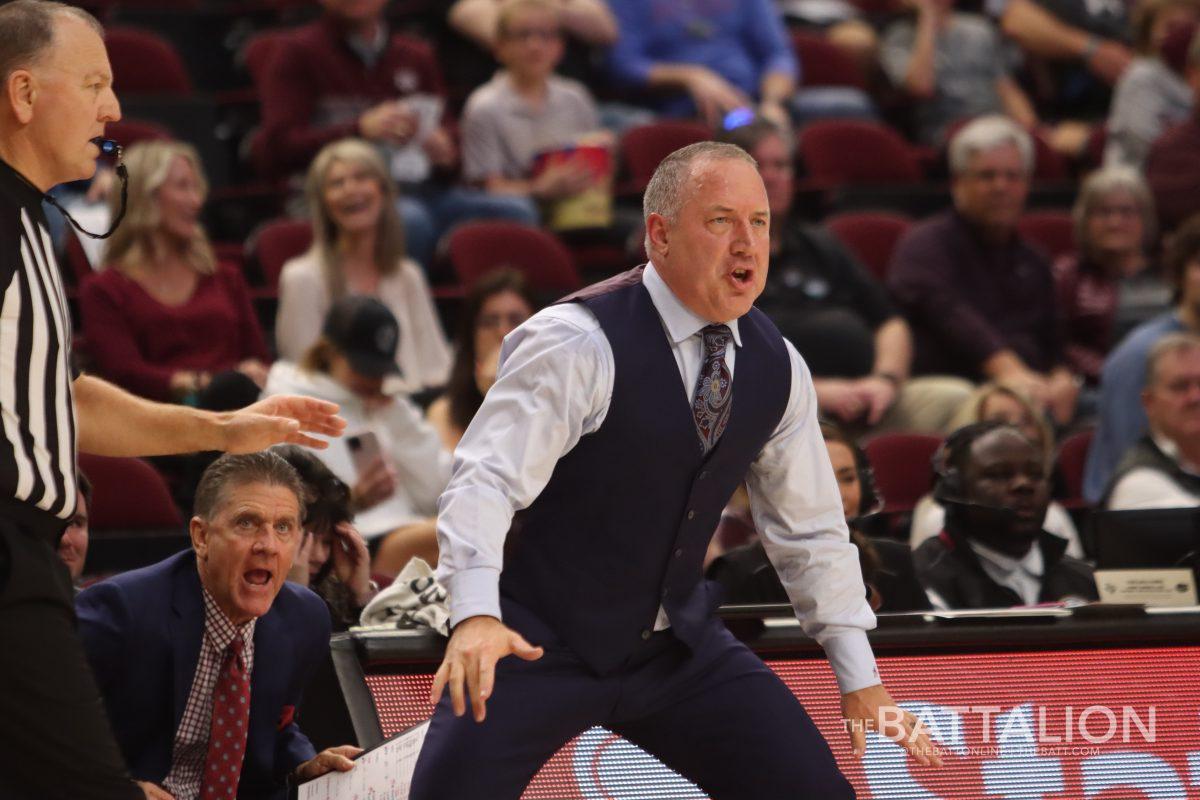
x=164 y=319
x=1111 y=285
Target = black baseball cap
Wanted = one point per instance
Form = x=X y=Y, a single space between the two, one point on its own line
x=366 y=333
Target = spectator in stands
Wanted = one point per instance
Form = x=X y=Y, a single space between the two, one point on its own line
x=392 y=458
x=746 y=573
x=981 y=300
x=1152 y=95
x=589 y=21
x=1162 y=470
x=1086 y=44
x=73 y=546
x=1122 y=417
x=1173 y=166
x=496 y=304
x=347 y=75
x=332 y=558
x=163 y=287
x=202 y=658
x=993 y=551
x=708 y=59
x=358 y=248
x=1110 y=286
x=954 y=66
x=838 y=315
x=526 y=109
x=996 y=403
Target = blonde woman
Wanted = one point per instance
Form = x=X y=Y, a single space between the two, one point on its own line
x=164 y=319
x=995 y=402
x=358 y=248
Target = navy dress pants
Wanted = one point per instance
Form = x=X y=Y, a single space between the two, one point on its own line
x=718 y=716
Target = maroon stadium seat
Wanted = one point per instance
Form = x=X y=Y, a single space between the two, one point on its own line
x=128 y=493
x=1051 y=231
x=259 y=50
x=145 y=63
x=838 y=152
x=475 y=248
x=823 y=63
x=132 y=131
x=644 y=146
x=275 y=243
x=902 y=463
x=1072 y=456
x=871 y=236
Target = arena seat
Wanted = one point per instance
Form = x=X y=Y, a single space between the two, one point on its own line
x=823 y=63
x=837 y=152
x=131 y=131
x=870 y=235
x=644 y=146
x=902 y=463
x=274 y=244
x=1069 y=465
x=1051 y=231
x=475 y=248
x=145 y=63
x=128 y=493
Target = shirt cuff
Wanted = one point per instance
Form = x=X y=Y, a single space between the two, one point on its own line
x=473 y=592
x=852 y=660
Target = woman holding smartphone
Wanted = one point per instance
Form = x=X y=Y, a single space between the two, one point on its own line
x=392 y=459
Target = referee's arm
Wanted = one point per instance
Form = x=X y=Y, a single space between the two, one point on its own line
x=113 y=422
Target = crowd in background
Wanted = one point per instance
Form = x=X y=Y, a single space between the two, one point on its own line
x=389 y=126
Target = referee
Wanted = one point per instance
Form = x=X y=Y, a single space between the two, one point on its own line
x=55 y=741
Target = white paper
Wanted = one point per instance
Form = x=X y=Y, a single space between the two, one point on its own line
x=384 y=773
x=409 y=163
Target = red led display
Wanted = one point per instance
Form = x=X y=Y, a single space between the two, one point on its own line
x=1062 y=725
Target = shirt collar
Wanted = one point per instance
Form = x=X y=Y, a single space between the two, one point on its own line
x=221 y=631
x=680 y=321
x=1171 y=451
x=1032 y=563
x=30 y=195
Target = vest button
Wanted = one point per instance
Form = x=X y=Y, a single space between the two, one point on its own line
x=679 y=552
x=645 y=634
x=691 y=514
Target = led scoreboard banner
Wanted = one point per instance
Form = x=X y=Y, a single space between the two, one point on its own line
x=1072 y=710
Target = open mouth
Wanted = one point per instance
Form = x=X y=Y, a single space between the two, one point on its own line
x=257 y=577
x=742 y=277
x=355 y=206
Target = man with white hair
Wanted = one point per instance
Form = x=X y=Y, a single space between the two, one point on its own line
x=980 y=300
x=1163 y=469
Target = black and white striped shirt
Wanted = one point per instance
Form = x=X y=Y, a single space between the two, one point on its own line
x=37 y=410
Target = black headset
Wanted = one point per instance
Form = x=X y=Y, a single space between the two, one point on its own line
x=948 y=482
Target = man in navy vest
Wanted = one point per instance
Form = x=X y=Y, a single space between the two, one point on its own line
x=621 y=421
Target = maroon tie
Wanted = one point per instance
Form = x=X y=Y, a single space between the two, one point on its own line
x=714 y=388
x=227 y=735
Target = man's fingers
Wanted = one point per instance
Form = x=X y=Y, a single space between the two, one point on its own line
x=478 y=707
x=338 y=762
x=858 y=740
x=306 y=441
x=439 y=683
x=456 y=689
x=523 y=649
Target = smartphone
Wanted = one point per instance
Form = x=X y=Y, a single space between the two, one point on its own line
x=364 y=450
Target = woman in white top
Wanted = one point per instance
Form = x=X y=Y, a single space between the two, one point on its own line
x=999 y=403
x=358 y=248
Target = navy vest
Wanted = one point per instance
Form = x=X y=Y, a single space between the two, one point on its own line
x=624 y=523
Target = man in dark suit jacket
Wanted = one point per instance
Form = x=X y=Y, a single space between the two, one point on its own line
x=161 y=639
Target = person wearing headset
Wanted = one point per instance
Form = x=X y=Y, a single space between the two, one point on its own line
x=993 y=551
x=890 y=583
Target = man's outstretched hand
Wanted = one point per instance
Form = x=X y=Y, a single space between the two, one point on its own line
x=476 y=644
x=283 y=419
x=872 y=709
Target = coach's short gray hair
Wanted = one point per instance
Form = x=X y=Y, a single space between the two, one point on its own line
x=664 y=193
x=987 y=133
x=27 y=31
x=228 y=471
